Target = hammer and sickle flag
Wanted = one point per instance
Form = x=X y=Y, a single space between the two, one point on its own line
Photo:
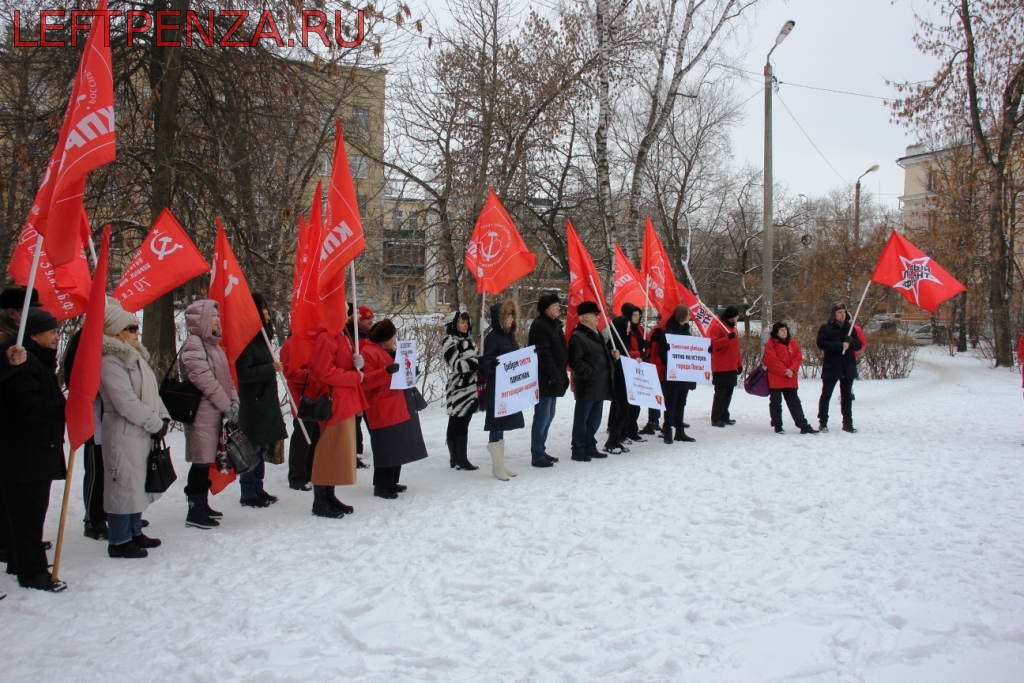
x=496 y=254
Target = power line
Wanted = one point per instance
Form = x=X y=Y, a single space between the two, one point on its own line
x=838 y=92
x=809 y=139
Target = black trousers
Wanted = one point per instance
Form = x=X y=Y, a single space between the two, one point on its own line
x=359 y=438
x=458 y=427
x=386 y=477
x=675 y=406
x=300 y=453
x=633 y=426
x=796 y=409
x=653 y=416
x=720 y=404
x=198 y=482
x=619 y=422
x=92 y=484
x=828 y=386
x=25 y=504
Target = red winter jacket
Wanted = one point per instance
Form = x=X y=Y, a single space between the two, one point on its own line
x=780 y=356
x=387 y=405
x=725 y=352
x=330 y=364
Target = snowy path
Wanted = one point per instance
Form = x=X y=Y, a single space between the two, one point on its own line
x=891 y=555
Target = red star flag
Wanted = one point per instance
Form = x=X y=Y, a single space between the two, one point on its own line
x=584 y=280
x=239 y=319
x=661 y=285
x=497 y=255
x=913 y=274
x=86 y=142
x=166 y=259
x=629 y=288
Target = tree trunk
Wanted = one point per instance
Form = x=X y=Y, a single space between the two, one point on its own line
x=604 y=185
x=997 y=263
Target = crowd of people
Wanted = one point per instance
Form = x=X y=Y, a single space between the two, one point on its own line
x=346 y=381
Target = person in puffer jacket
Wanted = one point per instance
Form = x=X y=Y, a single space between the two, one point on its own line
x=782 y=359
x=726 y=364
x=462 y=359
x=499 y=341
x=204 y=363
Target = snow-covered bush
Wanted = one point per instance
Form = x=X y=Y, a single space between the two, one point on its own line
x=890 y=355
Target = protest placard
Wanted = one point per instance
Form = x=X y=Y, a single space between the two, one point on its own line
x=689 y=359
x=516 y=386
x=405 y=356
x=642 y=385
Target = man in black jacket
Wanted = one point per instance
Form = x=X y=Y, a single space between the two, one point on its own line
x=548 y=338
x=839 y=365
x=591 y=361
x=32 y=422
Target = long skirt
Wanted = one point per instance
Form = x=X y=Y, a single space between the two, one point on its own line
x=335 y=462
x=399 y=444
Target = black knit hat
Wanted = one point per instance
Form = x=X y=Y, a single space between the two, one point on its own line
x=383 y=331
x=730 y=312
x=39 y=321
x=14 y=297
x=545 y=301
x=587 y=307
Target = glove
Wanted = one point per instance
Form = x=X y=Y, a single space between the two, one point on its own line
x=392 y=369
x=231 y=414
x=163 y=430
x=732 y=335
x=357 y=360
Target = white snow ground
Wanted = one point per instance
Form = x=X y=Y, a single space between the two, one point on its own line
x=891 y=555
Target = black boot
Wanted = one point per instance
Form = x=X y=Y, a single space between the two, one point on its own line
x=650 y=428
x=322 y=504
x=333 y=501
x=808 y=429
x=198 y=517
x=681 y=436
x=462 y=454
x=127 y=551
x=666 y=435
x=453 y=453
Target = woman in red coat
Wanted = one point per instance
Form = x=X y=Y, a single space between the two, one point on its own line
x=394 y=424
x=782 y=358
x=726 y=364
x=334 y=369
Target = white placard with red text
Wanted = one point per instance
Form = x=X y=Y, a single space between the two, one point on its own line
x=405 y=356
x=688 y=359
x=516 y=382
x=643 y=388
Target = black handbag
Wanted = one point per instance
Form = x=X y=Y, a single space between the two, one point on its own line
x=240 y=452
x=314 y=409
x=160 y=472
x=181 y=398
x=418 y=401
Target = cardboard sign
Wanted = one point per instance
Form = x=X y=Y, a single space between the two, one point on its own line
x=689 y=359
x=516 y=385
x=405 y=356
x=643 y=388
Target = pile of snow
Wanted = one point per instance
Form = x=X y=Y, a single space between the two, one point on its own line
x=893 y=554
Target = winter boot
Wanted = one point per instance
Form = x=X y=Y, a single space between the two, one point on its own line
x=650 y=428
x=322 y=505
x=780 y=430
x=681 y=436
x=127 y=551
x=497 y=451
x=808 y=429
x=333 y=501
x=197 y=516
x=453 y=454
x=462 y=454
x=667 y=436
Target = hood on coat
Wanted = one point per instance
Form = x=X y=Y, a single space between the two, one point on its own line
x=112 y=346
x=629 y=309
x=500 y=311
x=199 y=320
x=452 y=331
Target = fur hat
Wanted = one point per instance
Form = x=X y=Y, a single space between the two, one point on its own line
x=39 y=321
x=587 y=307
x=545 y=301
x=382 y=331
x=778 y=326
x=14 y=297
x=730 y=312
x=115 y=318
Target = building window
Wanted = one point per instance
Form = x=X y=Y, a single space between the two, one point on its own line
x=396 y=295
x=410 y=295
x=396 y=220
x=403 y=254
x=361 y=201
x=413 y=221
x=442 y=293
x=360 y=166
x=323 y=164
x=117 y=241
x=360 y=123
x=360 y=288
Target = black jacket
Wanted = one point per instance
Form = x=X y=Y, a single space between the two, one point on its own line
x=32 y=419
x=591 y=363
x=259 y=416
x=836 y=364
x=496 y=343
x=672 y=327
x=552 y=355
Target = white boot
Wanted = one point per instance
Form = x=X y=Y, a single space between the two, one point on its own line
x=507 y=470
x=497 y=451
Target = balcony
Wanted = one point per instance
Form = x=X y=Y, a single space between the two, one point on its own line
x=403 y=269
x=405 y=234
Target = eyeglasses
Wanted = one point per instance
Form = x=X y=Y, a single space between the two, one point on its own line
x=132 y=328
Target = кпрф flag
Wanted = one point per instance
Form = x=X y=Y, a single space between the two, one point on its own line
x=496 y=254
x=913 y=274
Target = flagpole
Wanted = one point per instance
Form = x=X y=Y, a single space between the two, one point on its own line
x=647 y=300
x=483 y=307
x=92 y=251
x=862 y=297
x=63 y=516
x=291 y=400
x=605 y=314
x=355 y=311
x=28 y=291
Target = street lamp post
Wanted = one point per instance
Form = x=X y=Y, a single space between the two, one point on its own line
x=856 y=207
x=767 y=256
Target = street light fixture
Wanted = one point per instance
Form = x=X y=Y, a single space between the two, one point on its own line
x=856 y=207
x=767 y=255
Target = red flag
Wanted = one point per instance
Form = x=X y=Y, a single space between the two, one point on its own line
x=342 y=239
x=702 y=316
x=913 y=274
x=497 y=255
x=63 y=290
x=239 y=319
x=86 y=142
x=165 y=260
x=656 y=271
x=584 y=280
x=306 y=312
x=628 y=285
x=84 y=382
